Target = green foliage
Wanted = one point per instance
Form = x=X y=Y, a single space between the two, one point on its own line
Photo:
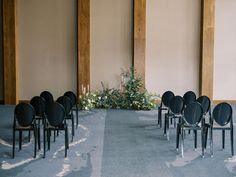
x=132 y=95
x=135 y=95
x=88 y=101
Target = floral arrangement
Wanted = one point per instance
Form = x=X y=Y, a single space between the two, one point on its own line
x=131 y=95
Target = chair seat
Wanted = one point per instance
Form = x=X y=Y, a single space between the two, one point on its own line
x=19 y=127
x=217 y=126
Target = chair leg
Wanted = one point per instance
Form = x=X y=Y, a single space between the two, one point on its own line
x=177 y=136
x=44 y=143
x=211 y=141
x=232 y=140
x=48 y=138
x=203 y=141
x=77 y=116
x=35 y=141
x=168 y=129
x=20 y=140
x=159 y=117
x=66 y=141
x=195 y=139
x=13 y=145
x=39 y=138
x=182 y=142
x=223 y=139
x=54 y=135
x=29 y=136
x=206 y=135
x=165 y=124
x=73 y=128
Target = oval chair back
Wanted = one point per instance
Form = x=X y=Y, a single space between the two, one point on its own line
x=72 y=97
x=193 y=113
x=24 y=114
x=66 y=103
x=205 y=103
x=222 y=114
x=48 y=97
x=55 y=114
x=166 y=98
x=39 y=105
x=189 y=97
x=177 y=105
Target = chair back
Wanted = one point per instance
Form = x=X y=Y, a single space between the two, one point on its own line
x=189 y=97
x=39 y=105
x=66 y=103
x=193 y=113
x=72 y=97
x=166 y=98
x=24 y=114
x=55 y=114
x=205 y=102
x=47 y=97
x=222 y=113
x=177 y=105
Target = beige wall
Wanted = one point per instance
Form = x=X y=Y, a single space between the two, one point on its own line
x=172 y=55
x=225 y=51
x=111 y=40
x=47 y=47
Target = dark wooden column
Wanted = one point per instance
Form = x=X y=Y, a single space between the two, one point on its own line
x=139 y=36
x=207 y=48
x=10 y=52
x=83 y=44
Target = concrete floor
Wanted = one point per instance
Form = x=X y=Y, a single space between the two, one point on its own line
x=114 y=143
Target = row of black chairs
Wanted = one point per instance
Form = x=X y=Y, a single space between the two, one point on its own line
x=195 y=114
x=52 y=115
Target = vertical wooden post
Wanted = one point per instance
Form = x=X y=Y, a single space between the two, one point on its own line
x=139 y=36
x=207 y=48
x=83 y=45
x=10 y=52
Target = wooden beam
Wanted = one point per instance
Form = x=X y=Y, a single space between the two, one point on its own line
x=207 y=48
x=10 y=52
x=83 y=45
x=139 y=36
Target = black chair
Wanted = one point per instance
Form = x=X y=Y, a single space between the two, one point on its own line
x=24 y=120
x=73 y=99
x=192 y=120
x=55 y=120
x=189 y=97
x=206 y=107
x=48 y=97
x=175 y=112
x=222 y=120
x=206 y=104
x=165 y=100
x=67 y=104
x=40 y=107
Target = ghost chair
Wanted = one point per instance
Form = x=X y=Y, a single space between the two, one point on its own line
x=55 y=120
x=73 y=99
x=24 y=120
x=192 y=120
x=164 y=105
x=222 y=119
x=175 y=112
x=67 y=104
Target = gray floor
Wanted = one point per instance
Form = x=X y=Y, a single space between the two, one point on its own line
x=114 y=143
